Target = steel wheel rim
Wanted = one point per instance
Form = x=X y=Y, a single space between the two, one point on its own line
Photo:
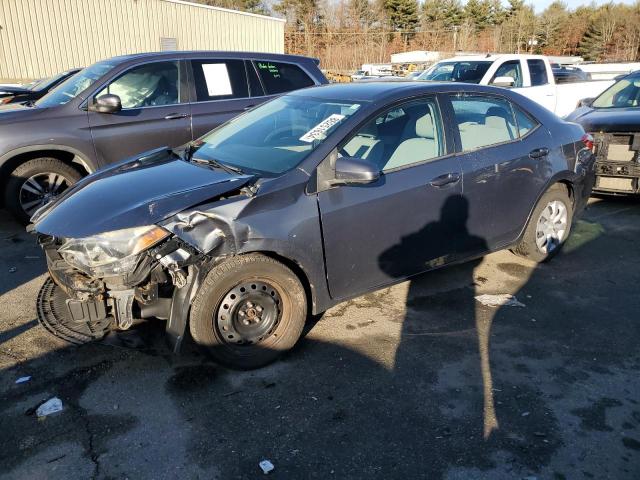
x=248 y=313
x=551 y=229
x=40 y=189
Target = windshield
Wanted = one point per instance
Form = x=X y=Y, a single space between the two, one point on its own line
x=45 y=82
x=623 y=93
x=74 y=85
x=276 y=136
x=462 y=71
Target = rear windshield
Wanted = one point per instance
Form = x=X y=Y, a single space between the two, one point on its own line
x=75 y=85
x=462 y=71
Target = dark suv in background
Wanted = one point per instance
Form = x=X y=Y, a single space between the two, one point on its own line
x=126 y=105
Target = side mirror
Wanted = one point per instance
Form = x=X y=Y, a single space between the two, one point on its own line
x=504 y=82
x=585 y=102
x=106 y=104
x=354 y=171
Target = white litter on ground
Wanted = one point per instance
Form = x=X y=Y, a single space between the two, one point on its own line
x=23 y=379
x=266 y=466
x=502 y=299
x=53 y=405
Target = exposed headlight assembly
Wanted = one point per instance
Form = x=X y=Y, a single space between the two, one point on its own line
x=111 y=253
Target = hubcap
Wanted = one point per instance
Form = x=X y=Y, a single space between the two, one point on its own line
x=552 y=226
x=40 y=189
x=249 y=313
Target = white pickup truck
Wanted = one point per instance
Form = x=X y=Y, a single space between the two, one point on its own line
x=529 y=75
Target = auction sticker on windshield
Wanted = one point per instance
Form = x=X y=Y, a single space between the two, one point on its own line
x=319 y=131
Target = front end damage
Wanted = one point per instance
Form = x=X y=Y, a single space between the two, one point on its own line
x=80 y=306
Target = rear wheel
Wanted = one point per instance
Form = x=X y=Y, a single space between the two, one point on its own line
x=249 y=310
x=36 y=183
x=549 y=226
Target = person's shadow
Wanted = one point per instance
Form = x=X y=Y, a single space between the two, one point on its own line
x=441 y=308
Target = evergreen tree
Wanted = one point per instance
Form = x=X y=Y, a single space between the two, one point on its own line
x=479 y=13
x=592 y=43
x=445 y=13
x=402 y=15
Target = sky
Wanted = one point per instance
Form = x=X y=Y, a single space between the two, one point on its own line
x=540 y=5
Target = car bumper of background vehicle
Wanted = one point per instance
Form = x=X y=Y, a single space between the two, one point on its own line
x=618 y=163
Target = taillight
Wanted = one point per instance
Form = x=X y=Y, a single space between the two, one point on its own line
x=587 y=139
x=5 y=100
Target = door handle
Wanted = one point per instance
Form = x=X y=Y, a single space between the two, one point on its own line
x=248 y=107
x=446 y=179
x=176 y=116
x=539 y=152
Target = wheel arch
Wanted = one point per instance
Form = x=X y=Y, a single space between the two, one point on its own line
x=562 y=178
x=72 y=157
x=299 y=272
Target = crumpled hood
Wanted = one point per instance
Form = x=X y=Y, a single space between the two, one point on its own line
x=595 y=120
x=133 y=193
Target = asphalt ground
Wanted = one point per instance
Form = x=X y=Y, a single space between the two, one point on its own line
x=419 y=380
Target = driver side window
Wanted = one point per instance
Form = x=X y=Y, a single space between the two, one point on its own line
x=511 y=69
x=149 y=85
x=402 y=136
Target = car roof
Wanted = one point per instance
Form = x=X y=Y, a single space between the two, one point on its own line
x=491 y=57
x=383 y=90
x=186 y=54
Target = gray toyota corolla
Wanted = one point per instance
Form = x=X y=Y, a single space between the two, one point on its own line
x=313 y=198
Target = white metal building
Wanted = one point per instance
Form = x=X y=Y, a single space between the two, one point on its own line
x=39 y=38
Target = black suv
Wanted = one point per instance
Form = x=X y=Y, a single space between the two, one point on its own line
x=126 y=105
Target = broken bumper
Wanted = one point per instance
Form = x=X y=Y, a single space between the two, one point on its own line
x=78 y=308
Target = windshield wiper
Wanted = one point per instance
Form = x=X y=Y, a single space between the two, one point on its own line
x=188 y=156
x=219 y=164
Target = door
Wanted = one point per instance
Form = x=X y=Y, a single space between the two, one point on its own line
x=541 y=91
x=220 y=92
x=504 y=164
x=404 y=223
x=155 y=112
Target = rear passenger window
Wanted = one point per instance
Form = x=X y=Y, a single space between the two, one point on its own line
x=525 y=122
x=281 y=77
x=538 y=72
x=400 y=137
x=219 y=79
x=483 y=121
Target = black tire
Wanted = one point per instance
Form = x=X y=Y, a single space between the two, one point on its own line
x=23 y=172
x=206 y=311
x=527 y=247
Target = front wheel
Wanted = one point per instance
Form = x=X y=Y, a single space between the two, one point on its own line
x=249 y=310
x=36 y=183
x=549 y=226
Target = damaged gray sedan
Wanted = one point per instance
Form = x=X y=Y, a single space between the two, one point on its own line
x=315 y=197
